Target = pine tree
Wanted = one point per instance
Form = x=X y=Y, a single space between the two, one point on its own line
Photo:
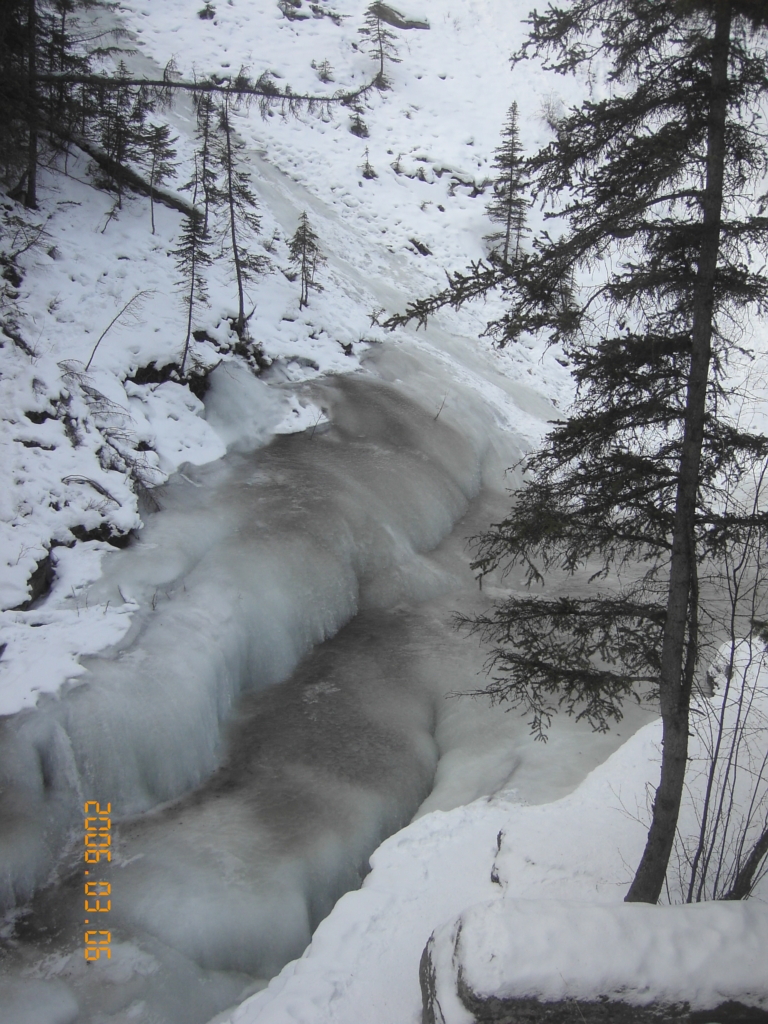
x=13 y=98
x=658 y=191
x=39 y=43
x=242 y=212
x=509 y=203
x=367 y=169
x=205 y=109
x=305 y=255
x=357 y=125
x=324 y=70
x=192 y=257
x=160 y=155
x=33 y=105
x=122 y=127
x=381 y=42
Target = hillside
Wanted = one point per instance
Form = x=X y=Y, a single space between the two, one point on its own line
x=229 y=581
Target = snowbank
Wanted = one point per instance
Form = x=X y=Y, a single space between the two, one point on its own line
x=700 y=954
x=524 y=900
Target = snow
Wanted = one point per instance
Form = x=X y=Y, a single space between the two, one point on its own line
x=524 y=900
x=337 y=488
x=702 y=954
x=89 y=266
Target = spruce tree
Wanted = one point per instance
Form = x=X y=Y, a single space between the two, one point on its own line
x=40 y=46
x=657 y=188
x=367 y=168
x=33 y=105
x=509 y=203
x=382 y=42
x=122 y=127
x=192 y=257
x=160 y=157
x=205 y=109
x=242 y=212
x=305 y=255
x=52 y=96
x=324 y=70
x=357 y=125
x=13 y=94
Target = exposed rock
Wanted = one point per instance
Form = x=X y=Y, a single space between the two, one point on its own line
x=396 y=19
x=420 y=247
x=39 y=583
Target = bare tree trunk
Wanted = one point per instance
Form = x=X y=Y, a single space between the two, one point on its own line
x=742 y=884
x=673 y=685
x=380 y=38
x=508 y=232
x=304 y=298
x=152 y=192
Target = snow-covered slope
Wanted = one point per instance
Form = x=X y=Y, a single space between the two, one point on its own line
x=515 y=900
x=79 y=446
x=120 y=683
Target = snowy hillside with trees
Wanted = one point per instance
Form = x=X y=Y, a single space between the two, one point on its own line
x=258 y=449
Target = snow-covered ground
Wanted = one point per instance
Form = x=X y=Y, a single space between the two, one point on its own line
x=290 y=504
x=69 y=470
x=525 y=901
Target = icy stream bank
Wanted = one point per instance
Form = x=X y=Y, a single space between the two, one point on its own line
x=253 y=559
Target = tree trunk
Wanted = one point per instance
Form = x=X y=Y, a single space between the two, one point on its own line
x=742 y=884
x=673 y=686
x=233 y=225
x=33 y=112
x=508 y=231
x=193 y=280
x=152 y=192
x=304 y=298
x=193 y=283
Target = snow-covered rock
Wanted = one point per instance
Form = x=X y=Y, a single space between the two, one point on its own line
x=497 y=956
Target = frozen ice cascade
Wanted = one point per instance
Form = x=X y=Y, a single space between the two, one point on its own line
x=243 y=809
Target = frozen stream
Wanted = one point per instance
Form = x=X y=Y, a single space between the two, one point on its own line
x=356 y=529
x=279 y=704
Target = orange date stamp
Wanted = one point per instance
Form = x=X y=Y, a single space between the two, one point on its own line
x=98 y=841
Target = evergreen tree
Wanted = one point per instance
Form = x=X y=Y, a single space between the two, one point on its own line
x=357 y=125
x=205 y=109
x=658 y=190
x=39 y=44
x=242 y=211
x=13 y=98
x=160 y=156
x=367 y=168
x=324 y=70
x=509 y=203
x=122 y=127
x=32 y=105
x=192 y=257
x=381 y=42
x=306 y=256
